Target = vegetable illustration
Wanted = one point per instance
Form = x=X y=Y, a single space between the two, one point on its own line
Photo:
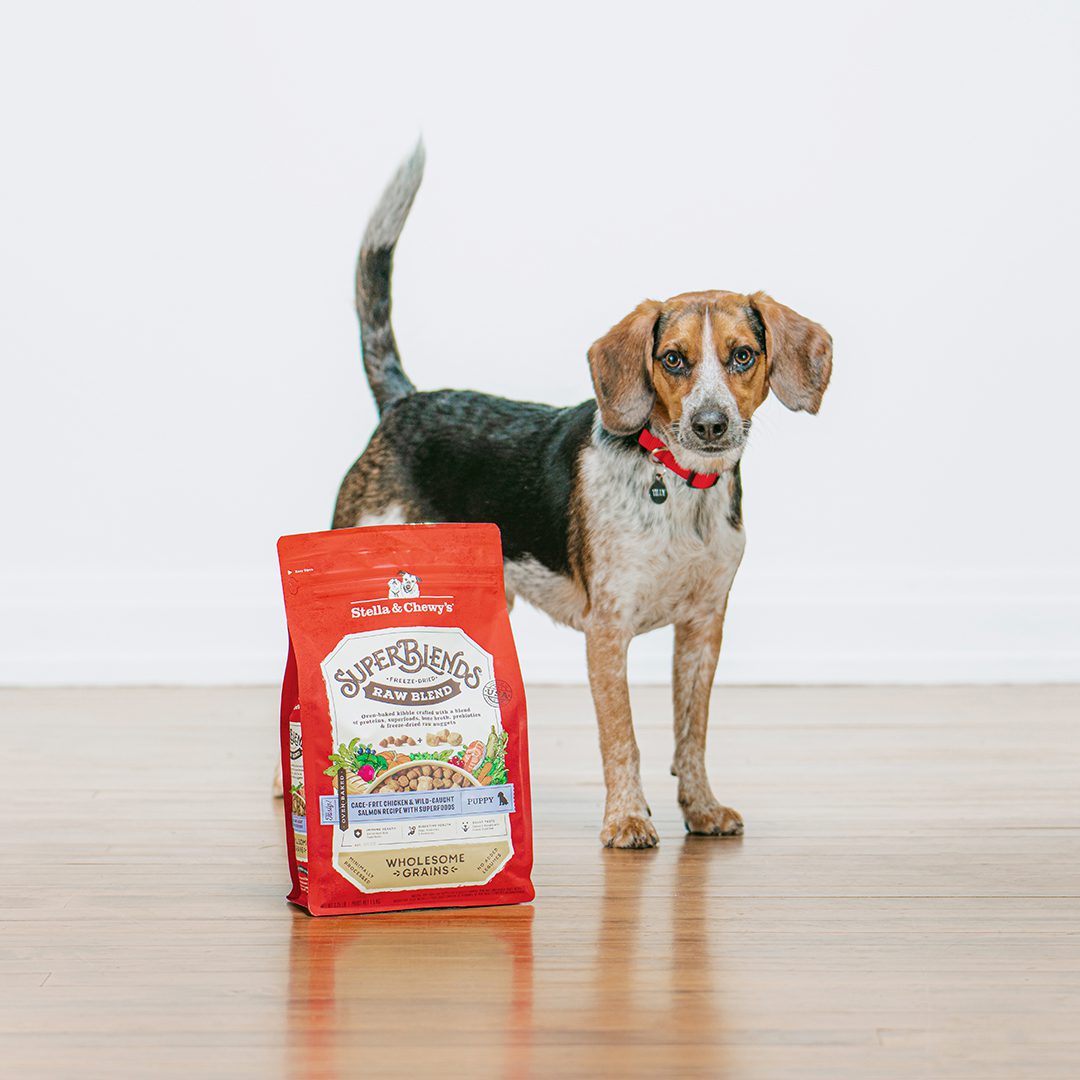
x=442 y=755
x=357 y=758
x=492 y=768
x=485 y=760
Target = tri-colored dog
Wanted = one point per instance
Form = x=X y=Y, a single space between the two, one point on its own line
x=618 y=515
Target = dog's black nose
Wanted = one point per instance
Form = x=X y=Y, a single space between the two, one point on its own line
x=709 y=424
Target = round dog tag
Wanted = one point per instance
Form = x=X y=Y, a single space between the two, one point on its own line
x=658 y=492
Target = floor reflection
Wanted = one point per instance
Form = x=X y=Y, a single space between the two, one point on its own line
x=408 y=991
x=460 y=992
x=654 y=943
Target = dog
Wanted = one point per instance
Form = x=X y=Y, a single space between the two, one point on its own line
x=619 y=515
x=410 y=584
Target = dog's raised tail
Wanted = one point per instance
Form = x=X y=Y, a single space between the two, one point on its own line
x=385 y=374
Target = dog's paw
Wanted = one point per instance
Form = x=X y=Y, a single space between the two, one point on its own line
x=629 y=831
x=278 y=788
x=713 y=820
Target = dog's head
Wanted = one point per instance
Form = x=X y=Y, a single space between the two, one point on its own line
x=698 y=365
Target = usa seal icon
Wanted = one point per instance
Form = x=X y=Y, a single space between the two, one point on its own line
x=497 y=692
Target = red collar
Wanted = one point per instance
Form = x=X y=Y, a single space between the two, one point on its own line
x=659 y=453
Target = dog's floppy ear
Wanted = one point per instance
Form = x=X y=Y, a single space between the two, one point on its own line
x=799 y=353
x=620 y=365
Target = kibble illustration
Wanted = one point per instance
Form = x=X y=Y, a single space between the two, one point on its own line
x=426 y=777
x=446 y=737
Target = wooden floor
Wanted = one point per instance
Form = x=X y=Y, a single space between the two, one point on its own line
x=905 y=903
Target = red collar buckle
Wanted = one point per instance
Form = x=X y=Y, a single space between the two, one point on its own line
x=659 y=453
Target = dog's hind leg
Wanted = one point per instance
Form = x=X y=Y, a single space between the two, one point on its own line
x=697 y=649
x=626 y=815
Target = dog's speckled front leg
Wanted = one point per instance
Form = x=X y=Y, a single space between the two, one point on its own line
x=697 y=649
x=626 y=815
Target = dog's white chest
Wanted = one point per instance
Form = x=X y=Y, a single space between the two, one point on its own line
x=649 y=564
x=657 y=563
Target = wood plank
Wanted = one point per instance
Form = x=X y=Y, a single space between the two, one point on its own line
x=906 y=901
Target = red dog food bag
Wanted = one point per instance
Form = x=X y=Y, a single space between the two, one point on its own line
x=403 y=734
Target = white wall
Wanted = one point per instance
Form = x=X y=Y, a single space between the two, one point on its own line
x=185 y=186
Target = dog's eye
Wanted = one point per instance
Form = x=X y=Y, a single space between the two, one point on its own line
x=742 y=359
x=672 y=361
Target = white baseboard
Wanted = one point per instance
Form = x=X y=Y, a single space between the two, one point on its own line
x=218 y=629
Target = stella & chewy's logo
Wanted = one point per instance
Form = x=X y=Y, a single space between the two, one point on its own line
x=402 y=596
x=408 y=657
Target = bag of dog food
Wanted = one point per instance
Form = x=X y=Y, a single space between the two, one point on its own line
x=403 y=734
